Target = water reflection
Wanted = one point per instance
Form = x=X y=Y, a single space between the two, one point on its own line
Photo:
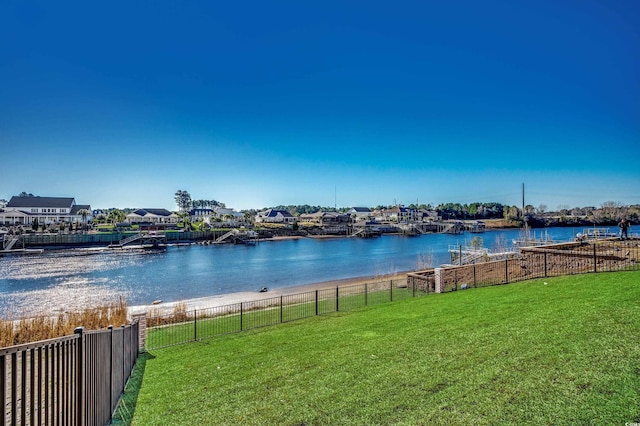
x=73 y=279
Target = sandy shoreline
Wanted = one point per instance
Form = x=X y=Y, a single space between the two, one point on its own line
x=250 y=296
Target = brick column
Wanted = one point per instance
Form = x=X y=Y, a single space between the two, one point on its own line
x=437 y=276
x=142 y=329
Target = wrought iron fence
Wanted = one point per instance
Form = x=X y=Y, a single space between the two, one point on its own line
x=534 y=262
x=182 y=327
x=72 y=380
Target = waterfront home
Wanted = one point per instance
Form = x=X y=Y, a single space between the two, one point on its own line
x=275 y=216
x=153 y=216
x=201 y=215
x=225 y=214
x=47 y=210
x=222 y=215
x=400 y=214
x=360 y=213
x=325 y=218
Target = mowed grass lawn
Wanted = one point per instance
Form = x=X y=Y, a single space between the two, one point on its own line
x=555 y=351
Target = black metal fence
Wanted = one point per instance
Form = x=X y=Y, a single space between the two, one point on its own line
x=72 y=380
x=535 y=262
x=182 y=327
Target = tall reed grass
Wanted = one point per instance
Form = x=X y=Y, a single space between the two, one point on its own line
x=42 y=327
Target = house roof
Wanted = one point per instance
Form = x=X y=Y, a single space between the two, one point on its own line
x=79 y=207
x=362 y=209
x=157 y=212
x=275 y=212
x=55 y=202
x=193 y=212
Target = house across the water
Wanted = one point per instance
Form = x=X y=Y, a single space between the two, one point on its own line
x=44 y=210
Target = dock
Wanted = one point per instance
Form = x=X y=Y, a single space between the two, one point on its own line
x=143 y=239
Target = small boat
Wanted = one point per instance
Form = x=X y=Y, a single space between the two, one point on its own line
x=264 y=290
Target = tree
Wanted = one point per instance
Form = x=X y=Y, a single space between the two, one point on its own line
x=24 y=194
x=84 y=213
x=116 y=216
x=183 y=200
x=3 y=203
x=185 y=220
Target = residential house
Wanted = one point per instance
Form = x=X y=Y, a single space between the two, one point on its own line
x=203 y=215
x=221 y=215
x=275 y=216
x=428 y=215
x=153 y=216
x=360 y=213
x=325 y=218
x=402 y=214
x=224 y=213
x=47 y=210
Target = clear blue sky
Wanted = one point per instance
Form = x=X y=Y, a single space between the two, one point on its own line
x=255 y=104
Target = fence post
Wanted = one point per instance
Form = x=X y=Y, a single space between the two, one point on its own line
x=240 y=316
x=195 y=325
x=366 y=295
x=595 y=258
x=475 y=279
x=337 y=299
x=506 y=271
x=391 y=290
x=545 y=264
x=110 y=367
x=281 y=309
x=316 y=302
x=124 y=351
x=413 y=285
x=80 y=371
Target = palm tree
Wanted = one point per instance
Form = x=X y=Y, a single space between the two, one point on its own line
x=116 y=216
x=84 y=213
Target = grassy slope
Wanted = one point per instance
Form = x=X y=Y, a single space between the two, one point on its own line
x=557 y=353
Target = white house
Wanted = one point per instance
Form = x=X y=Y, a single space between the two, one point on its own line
x=228 y=216
x=275 y=216
x=25 y=210
x=360 y=213
x=154 y=216
x=225 y=213
x=203 y=215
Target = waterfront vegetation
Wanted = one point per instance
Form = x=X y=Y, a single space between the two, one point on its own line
x=547 y=351
x=42 y=327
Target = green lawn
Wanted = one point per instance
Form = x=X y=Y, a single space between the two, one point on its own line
x=557 y=351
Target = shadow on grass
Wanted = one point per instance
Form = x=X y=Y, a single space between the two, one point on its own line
x=127 y=405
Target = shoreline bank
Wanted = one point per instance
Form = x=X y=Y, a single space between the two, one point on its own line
x=164 y=308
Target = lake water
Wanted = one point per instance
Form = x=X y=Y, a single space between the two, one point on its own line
x=71 y=279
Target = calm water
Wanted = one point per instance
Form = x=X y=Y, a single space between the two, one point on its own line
x=72 y=279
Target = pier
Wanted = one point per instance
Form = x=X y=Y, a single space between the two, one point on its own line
x=143 y=239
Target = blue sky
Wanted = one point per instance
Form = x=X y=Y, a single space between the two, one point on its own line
x=258 y=104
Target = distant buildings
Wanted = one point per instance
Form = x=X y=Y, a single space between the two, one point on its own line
x=220 y=215
x=152 y=216
x=43 y=210
x=274 y=216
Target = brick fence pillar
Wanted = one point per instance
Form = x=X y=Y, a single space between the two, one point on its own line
x=437 y=276
x=142 y=329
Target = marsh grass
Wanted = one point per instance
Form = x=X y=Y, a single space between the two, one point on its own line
x=25 y=330
x=556 y=351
